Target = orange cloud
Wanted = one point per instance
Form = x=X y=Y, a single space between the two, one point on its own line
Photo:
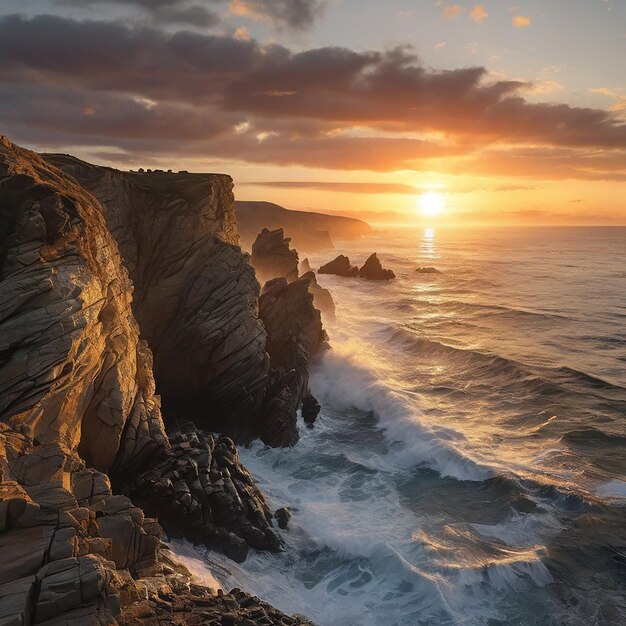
x=451 y=11
x=520 y=21
x=478 y=14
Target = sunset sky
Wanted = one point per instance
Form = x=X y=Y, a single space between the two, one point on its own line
x=515 y=112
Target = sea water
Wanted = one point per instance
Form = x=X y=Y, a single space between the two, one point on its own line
x=469 y=462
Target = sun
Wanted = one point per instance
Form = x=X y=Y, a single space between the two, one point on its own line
x=431 y=203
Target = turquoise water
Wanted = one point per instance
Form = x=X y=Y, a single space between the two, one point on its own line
x=469 y=463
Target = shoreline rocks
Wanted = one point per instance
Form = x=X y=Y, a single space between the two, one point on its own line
x=372 y=269
x=339 y=266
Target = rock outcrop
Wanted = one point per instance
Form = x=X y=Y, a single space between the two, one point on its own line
x=322 y=298
x=200 y=491
x=340 y=266
x=71 y=552
x=273 y=257
x=77 y=399
x=295 y=338
x=73 y=370
x=427 y=270
x=196 y=296
x=305 y=266
x=373 y=270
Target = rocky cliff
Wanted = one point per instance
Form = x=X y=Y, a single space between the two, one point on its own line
x=77 y=402
x=196 y=295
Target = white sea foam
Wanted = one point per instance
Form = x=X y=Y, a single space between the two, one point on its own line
x=343 y=382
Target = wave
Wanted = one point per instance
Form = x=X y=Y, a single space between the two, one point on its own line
x=341 y=381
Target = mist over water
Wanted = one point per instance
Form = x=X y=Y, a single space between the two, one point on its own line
x=469 y=462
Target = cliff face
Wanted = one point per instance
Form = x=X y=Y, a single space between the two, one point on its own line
x=72 y=367
x=76 y=400
x=196 y=296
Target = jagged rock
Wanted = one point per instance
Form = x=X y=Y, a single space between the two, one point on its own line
x=272 y=256
x=196 y=295
x=322 y=298
x=340 y=267
x=295 y=338
x=73 y=370
x=282 y=517
x=200 y=490
x=305 y=266
x=373 y=270
x=71 y=552
x=427 y=270
x=310 y=409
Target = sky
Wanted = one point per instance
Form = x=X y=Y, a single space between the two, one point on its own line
x=504 y=113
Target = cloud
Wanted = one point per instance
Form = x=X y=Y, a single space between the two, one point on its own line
x=163 y=11
x=520 y=21
x=478 y=14
x=451 y=11
x=299 y=14
x=347 y=187
x=212 y=95
x=296 y=14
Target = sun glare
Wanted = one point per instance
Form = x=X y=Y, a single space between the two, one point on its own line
x=431 y=203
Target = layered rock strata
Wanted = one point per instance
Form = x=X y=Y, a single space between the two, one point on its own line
x=78 y=399
x=296 y=338
x=272 y=256
x=71 y=552
x=196 y=295
x=73 y=370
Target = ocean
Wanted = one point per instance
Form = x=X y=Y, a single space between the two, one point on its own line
x=469 y=462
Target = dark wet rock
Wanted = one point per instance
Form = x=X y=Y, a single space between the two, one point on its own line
x=200 y=490
x=272 y=256
x=427 y=270
x=310 y=409
x=373 y=270
x=282 y=517
x=340 y=267
x=295 y=339
x=322 y=298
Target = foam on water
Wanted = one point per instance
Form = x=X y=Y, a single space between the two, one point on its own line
x=343 y=383
x=456 y=449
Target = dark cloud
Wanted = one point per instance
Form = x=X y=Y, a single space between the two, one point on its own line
x=140 y=89
x=296 y=14
x=166 y=11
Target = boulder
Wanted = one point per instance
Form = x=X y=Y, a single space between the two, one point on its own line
x=428 y=270
x=340 y=267
x=373 y=270
x=272 y=256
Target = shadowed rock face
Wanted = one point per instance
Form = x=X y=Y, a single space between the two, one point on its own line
x=340 y=267
x=272 y=257
x=196 y=296
x=322 y=299
x=373 y=270
x=296 y=338
x=72 y=367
